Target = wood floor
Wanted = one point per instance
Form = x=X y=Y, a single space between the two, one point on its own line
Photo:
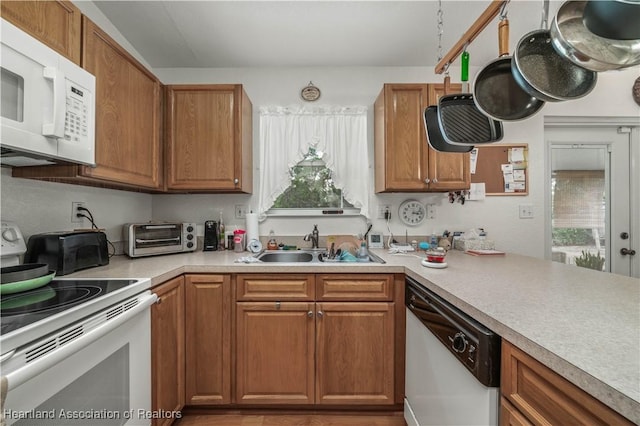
x=290 y=420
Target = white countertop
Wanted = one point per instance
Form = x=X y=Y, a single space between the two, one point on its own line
x=583 y=324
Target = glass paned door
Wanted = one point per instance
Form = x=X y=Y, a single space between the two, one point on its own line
x=579 y=194
x=590 y=197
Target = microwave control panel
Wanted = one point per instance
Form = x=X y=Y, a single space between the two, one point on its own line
x=77 y=113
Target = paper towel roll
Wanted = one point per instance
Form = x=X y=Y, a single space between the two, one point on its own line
x=252 y=227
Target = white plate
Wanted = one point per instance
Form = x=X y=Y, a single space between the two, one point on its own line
x=428 y=264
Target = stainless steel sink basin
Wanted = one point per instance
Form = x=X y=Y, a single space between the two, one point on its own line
x=306 y=256
x=286 y=256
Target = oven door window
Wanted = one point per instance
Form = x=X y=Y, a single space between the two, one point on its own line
x=158 y=236
x=98 y=397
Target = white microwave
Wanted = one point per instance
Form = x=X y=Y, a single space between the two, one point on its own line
x=48 y=104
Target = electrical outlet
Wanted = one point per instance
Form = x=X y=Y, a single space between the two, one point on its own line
x=241 y=211
x=75 y=211
x=526 y=211
x=431 y=211
x=382 y=209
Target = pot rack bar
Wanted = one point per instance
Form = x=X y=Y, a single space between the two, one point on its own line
x=474 y=30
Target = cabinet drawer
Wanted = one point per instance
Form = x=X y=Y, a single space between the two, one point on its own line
x=510 y=416
x=355 y=287
x=275 y=287
x=544 y=397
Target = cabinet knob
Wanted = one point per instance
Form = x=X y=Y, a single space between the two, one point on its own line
x=310 y=314
x=435 y=181
x=427 y=180
x=236 y=181
x=320 y=314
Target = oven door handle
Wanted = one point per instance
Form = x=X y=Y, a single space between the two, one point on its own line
x=159 y=240
x=32 y=369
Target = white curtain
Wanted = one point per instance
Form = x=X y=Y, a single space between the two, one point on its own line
x=287 y=133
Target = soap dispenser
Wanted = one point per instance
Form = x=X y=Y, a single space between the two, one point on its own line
x=363 y=253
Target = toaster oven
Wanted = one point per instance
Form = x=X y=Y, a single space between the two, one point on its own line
x=148 y=239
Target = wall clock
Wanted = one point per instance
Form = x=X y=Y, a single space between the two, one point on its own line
x=310 y=93
x=412 y=212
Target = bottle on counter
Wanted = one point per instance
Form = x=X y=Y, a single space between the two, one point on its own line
x=222 y=239
x=363 y=253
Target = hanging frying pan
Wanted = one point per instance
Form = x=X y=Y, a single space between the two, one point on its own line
x=571 y=39
x=434 y=135
x=462 y=123
x=432 y=126
x=495 y=90
x=545 y=74
x=613 y=19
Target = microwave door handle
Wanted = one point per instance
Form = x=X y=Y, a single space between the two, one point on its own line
x=56 y=127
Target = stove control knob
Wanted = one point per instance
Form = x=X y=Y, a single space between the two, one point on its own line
x=460 y=342
x=189 y=228
x=10 y=235
x=189 y=236
x=189 y=244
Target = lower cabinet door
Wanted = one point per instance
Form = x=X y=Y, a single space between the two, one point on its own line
x=167 y=355
x=208 y=339
x=275 y=352
x=510 y=416
x=355 y=353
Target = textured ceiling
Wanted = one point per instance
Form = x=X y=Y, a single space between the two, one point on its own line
x=238 y=33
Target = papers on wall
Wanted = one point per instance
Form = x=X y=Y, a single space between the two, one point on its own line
x=474 y=160
x=477 y=192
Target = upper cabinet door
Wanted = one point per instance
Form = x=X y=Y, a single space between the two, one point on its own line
x=401 y=152
x=208 y=138
x=404 y=161
x=54 y=23
x=128 y=113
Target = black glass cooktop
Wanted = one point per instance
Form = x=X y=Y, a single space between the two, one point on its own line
x=20 y=309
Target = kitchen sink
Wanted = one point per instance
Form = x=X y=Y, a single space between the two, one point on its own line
x=306 y=256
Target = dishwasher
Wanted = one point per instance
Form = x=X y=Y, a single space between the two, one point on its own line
x=452 y=364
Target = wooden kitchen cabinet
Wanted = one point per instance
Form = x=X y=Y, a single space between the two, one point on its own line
x=208 y=339
x=275 y=352
x=337 y=350
x=55 y=23
x=208 y=138
x=534 y=394
x=404 y=162
x=355 y=353
x=128 y=114
x=167 y=349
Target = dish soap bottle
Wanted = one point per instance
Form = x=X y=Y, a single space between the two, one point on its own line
x=363 y=253
x=272 y=244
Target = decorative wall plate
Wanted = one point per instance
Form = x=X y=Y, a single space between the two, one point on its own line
x=310 y=93
x=412 y=212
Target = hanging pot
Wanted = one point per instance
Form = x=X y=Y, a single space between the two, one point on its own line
x=461 y=122
x=545 y=74
x=433 y=131
x=571 y=39
x=495 y=90
x=613 y=19
x=434 y=135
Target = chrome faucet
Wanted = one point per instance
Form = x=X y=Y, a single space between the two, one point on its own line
x=314 y=236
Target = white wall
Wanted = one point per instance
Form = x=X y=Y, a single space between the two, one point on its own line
x=360 y=86
x=38 y=207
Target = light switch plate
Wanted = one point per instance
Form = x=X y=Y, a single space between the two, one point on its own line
x=526 y=211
